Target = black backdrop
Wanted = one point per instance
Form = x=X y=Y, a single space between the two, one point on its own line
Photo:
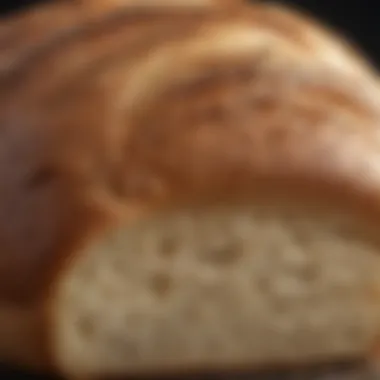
x=359 y=20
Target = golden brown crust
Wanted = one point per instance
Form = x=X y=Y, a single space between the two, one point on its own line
x=192 y=104
x=49 y=145
x=56 y=144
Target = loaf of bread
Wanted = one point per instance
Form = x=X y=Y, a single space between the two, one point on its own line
x=186 y=186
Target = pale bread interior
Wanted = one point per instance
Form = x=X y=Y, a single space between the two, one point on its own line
x=219 y=288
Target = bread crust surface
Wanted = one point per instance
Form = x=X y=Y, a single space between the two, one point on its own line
x=201 y=103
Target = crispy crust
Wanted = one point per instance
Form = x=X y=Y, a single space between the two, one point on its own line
x=268 y=104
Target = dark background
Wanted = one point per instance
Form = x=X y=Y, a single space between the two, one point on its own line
x=359 y=20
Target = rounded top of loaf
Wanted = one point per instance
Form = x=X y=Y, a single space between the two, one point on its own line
x=110 y=113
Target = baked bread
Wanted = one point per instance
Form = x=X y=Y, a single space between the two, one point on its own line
x=185 y=188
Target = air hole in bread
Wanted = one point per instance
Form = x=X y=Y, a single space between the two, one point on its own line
x=221 y=252
x=161 y=284
x=168 y=247
x=86 y=327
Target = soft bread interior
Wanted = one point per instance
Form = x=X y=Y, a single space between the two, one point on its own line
x=219 y=288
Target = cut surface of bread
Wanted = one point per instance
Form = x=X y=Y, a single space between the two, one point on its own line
x=219 y=288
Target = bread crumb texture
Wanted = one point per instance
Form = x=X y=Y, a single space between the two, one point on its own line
x=240 y=286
